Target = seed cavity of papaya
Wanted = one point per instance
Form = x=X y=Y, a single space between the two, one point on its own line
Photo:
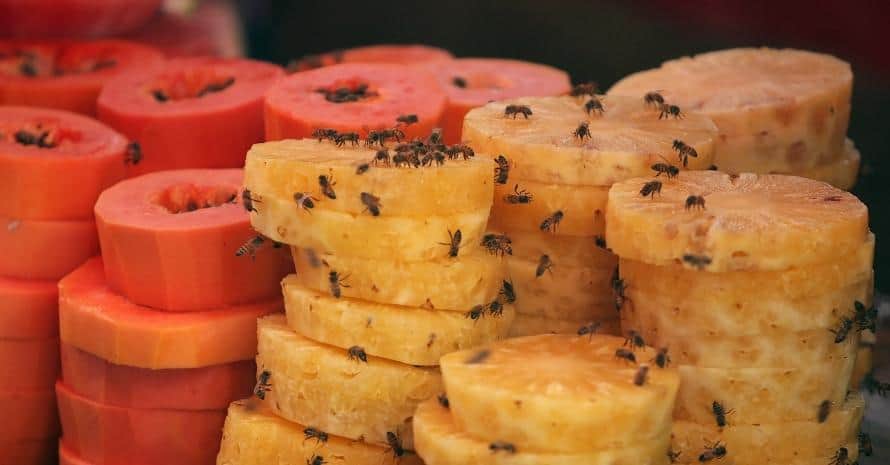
x=190 y=198
x=162 y=96
x=347 y=93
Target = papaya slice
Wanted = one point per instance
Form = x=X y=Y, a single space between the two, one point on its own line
x=570 y=250
x=405 y=54
x=560 y=393
x=29 y=309
x=525 y=205
x=31 y=414
x=29 y=363
x=66 y=457
x=54 y=164
x=95 y=319
x=104 y=434
x=203 y=29
x=31 y=452
x=526 y=325
x=550 y=289
x=473 y=82
x=71 y=18
x=190 y=112
x=206 y=388
x=253 y=435
x=170 y=241
x=357 y=396
x=66 y=75
x=45 y=250
x=353 y=97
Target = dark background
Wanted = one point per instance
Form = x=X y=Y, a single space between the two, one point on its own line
x=606 y=40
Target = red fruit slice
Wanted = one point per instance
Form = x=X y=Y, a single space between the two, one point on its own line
x=383 y=53
x=66 y=75
x=29 y=452
x=28 y=309
x=373 y=96
x=28 y=415
x=74 y=18
x=66 y=457
x=95 y=319
x=190 y=112
x=473 y=82
x=37 y=249
x=169 y=241
x=211 y=29
x=28 y=363
x=104 y=434
x=54 y=164
x=207 y=388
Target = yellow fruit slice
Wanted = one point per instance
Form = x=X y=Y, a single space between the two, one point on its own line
x=806 y=222
x=863 y=366
x=320 y=385
x=253 y=435
x=841 y=173
x=625 y=140
x=414 y=336
x=283 y=168
x=473 y=277
x=583 y=208
x=571 y=250
x=559 y=393
x=561 y=291
x=363 y=235
x=440 y=441
x=524 y=325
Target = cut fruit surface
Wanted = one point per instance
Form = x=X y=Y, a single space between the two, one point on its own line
x=415 y=336
x=525 y=325
x=807 y=222
x=406 y=54
x=570 y=250
x=559 y=393
x=841 y=173
x=190 y=112
x=28 y=363
x=29 y=309
x=31 y=415
x=457 y=284
x=320 y=385
x=96 y=320
x=561 y=291
x=206 y=388
x=253 y=435
x=287 y=167
x=169 y=241
x=54 y=164
x=864 y=364
x=624 y=141
x=582 y=208
x=45 y=250
x=440 y=441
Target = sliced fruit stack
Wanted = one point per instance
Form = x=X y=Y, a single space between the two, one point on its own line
x=553 y=398
x=392 y=273
x=159 y=334
x=759 y=286
x=556 y=158
x=779 y=111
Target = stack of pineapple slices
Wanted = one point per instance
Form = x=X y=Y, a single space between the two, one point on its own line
x=759 y=286
x=391 y=275
x=551 y=399
x=557 y=157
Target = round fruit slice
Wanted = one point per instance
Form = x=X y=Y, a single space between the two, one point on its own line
x=54 y=164
x=206 y=388
x=533 y=206
x=31 y=415
x=190 y=112
x=841 y=173
x=403 y=238
x=440 y=441
x=203 y=29
x=182 y=241
x=457 y=284
x=34 y=452
x=64 y=74
x=288 y=167
x=559 y=393
x=525 y=325
x=72 y=18
x=342 y=392
x=95 y=319
x=29 y=309
x=549 y=289
x=807 y=222
x=383 y=53
x=29 y=363
x=569 y=250
x=623 y=141
x=37 y=249
x=409 y=335
x=66 y=457
x=473 y=82
x=104 y=434
x=771 y=152
x=353 y=97
x=253 y=435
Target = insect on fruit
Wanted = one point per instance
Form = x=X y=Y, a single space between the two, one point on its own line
x=508 y=292
x=600 y=242
x=865 y=447
x=502 y=446
x=250 y=247
x=408 y=119
x=476 y=312
x=874 y=386
x=395 y=443
x=362 y=169
x=443 y=400
x=634 y=340
x=324 y=133
x=133 y=154
x=662 y=359
x=844 y=326
x=214 y=87
x=502 y=170
x=263 y=385
x=589 y=330
x=342 y=139
x=714 y=451
x=698 y=262
x=453 y=242
x=866 y=318
x=618 y=288
x=315 y=433
x=496 y=308
x=695 y=202
x=516 y=110
x=544 y=265
x=666 y=169
x=650 y=189
x=248 y=201
x=684 y=151
x=458 y=81
x=841 y=457
x=667 y=110
x=641 y=374
x=337 y=281
x=824 y=411
x=497 y=244
x=478 y=357
x=626 y=355
x=382 y=157
x=159 y=95
x=720 y=413
x=305 y=200
x=673 y=456
x=357 y=353
x=315 y=460
x=518 y=196
x=653 y=99
x=582 y=131
x=371 y=203
x=594 y=105
x=585 y=88
x=551 y=222
x=327 y=184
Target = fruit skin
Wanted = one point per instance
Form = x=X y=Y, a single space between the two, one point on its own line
x=525 y=325
x=564 y=292
x=29 y=309
x=571 y=250
x=508 y=395
x=394 y=53
x=34 y=414
x=583 y=208
x=318 y=385
x=29 y=363
x=440 y=441
x=808 y=222
x=26 y=239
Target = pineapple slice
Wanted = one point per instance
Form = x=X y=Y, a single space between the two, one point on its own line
x=253 y=435
x=440 y=441
x=459 y=283
x=283 y=168
x=841 y=173
x=524 y=325
x=561 y=291
x=559 y=393
x=414 y=336
x=624 y=141
x=570 y=250
x=338 y=392
x=402 y=238
x=526 y=205
x=864 y=360
x=806 y=222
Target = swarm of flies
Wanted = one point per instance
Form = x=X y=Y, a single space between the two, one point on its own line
x=346 y=94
